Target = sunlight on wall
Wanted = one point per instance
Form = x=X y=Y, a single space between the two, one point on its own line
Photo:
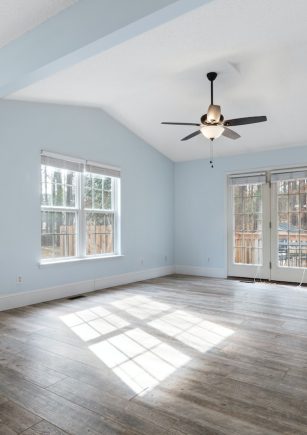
x=200 y=334
x=139 y=359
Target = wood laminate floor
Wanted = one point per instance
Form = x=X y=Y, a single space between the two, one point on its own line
x=174 y=355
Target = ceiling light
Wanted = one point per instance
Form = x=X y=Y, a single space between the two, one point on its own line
x=212 y=131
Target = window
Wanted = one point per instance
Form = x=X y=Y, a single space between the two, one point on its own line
x=99 y=214
x=292 y=222
x=79 y=209
x=247 y=220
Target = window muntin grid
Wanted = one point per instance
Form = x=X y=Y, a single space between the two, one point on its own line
x=247 y=220
x=292 y=223
x=59 y=212
x=78 y=214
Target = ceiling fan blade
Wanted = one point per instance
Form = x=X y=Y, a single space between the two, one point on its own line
x=230 y=134
x=191 y=135
x=243 y=121
x=181 y=123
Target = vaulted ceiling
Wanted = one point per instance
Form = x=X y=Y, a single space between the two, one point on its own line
x=257 y=47
x=20 y=16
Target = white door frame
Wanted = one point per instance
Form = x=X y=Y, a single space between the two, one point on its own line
x=281 y=273
x=270 y=269
x=250 y=270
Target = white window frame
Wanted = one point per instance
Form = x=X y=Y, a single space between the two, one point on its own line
x=81 y=212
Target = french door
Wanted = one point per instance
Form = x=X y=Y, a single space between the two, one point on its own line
x=248 y=231
x=267 y=225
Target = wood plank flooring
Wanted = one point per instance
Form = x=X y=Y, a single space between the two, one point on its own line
x=174 y=355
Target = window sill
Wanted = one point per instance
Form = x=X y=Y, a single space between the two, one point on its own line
x=46 y=263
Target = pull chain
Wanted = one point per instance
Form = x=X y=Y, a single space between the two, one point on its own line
x=211 y=153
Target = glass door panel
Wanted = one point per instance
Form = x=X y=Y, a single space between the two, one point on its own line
x=248 y=220
x=289 y=230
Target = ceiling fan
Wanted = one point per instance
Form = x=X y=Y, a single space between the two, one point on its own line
x=212 y=124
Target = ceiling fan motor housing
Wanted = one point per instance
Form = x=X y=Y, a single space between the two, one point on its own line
x=203 y=119
x=214 y=113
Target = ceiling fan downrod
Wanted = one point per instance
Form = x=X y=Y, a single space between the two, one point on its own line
x=211 y=77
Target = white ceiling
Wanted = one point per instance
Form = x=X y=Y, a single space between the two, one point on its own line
x=257 y=47
x=20 y=16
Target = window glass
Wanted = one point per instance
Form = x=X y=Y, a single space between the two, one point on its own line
x=99 y=232
x=58 y=187
x=97 y=192
x=247 y=201
x=58 y=233
x=99 y=224
x=78 y=213
x=292 y=223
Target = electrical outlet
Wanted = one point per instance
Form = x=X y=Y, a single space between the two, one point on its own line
x=165 y=258
x=19 y=279
x=142 y=260
x=208 y=259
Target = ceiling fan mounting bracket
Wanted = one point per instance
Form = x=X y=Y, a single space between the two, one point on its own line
x=212 y=76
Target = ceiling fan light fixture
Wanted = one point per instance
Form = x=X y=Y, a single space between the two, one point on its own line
x=212 y=131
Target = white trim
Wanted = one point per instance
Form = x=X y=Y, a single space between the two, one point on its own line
x=271 y=168
x=62 y=156
x=212 y=272
x=289 y=169
x=100 y=165
x=131 y=277
x=288 y=175
x=242 y=179
x=78 y=160
x=246 y=174
x=22 y=299
x=68 y=260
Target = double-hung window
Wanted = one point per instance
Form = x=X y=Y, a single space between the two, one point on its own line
x=79 y=209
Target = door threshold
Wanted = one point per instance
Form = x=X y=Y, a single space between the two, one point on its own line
x=265 y=281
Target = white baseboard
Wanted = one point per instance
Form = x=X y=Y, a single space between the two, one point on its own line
x=130 y=277
x=22 y=299
x=212 y=272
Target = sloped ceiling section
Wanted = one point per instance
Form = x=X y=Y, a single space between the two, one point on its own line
x=257 y=48
x=20 y=16
x=86 y=29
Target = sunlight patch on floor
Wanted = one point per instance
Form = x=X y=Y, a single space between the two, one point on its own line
x=93 y=323
x=139 y=359
x=193 y=331
x=140 y=307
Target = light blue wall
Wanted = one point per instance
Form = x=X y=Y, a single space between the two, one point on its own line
x=147 y=192
x=201 y=203
x=166 y=207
